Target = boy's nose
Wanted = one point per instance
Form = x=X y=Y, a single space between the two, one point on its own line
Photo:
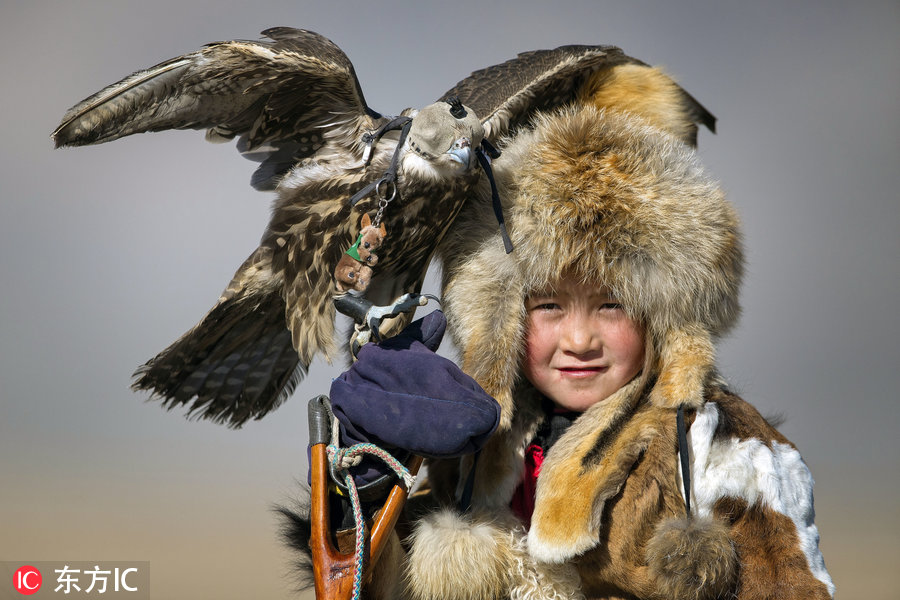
x=578 y=337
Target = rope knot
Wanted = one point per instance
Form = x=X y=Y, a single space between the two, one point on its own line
x=344 y=458
x=341 y=459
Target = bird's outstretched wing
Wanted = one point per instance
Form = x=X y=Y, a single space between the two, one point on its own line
x=507 y=95
x=285 y=98
x=237 y=363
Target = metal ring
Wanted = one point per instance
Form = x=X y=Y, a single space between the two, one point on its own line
x=378 y=192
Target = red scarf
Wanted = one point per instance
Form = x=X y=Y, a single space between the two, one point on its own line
x=522 y=503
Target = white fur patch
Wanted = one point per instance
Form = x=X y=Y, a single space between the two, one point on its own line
x=751 y=471
x=542 y=581
x=455 y=556
x=550 y=551
x=461 y=557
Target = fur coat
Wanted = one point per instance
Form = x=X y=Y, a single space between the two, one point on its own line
x=614 y=196
x=609 y=519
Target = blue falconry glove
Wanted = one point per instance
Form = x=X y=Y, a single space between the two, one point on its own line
x=404 y=398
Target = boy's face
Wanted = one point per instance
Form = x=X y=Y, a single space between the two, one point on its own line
x=580 y=346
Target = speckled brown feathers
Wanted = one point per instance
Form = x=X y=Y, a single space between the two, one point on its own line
x=237 y=88
x=294 y=103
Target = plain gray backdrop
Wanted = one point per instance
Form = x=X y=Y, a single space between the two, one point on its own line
x=109 y=253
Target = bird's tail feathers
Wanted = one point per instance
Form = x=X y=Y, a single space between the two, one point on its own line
x=237 y=364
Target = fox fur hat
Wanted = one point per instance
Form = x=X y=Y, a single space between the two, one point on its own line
x=611 y=197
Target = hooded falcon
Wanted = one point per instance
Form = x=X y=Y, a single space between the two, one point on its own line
x=294 y=104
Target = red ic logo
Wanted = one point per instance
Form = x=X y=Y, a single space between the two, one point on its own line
x=27 y=580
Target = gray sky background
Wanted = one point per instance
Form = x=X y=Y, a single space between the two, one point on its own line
x=109 y=253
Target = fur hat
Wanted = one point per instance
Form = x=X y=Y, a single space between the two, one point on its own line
x=612 y=198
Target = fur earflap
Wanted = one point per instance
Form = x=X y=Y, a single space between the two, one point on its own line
x=692 y=559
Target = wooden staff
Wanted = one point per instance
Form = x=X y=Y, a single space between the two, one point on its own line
x=332 y=569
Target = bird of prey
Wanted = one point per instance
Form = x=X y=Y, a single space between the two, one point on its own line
x=295 y=105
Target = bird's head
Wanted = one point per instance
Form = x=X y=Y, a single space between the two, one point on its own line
x=445 y=135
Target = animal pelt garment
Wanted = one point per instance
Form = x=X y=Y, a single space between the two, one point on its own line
x=611 y=194
x=613 y=198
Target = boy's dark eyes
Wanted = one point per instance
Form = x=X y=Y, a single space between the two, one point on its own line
x=556 y=306
x=545 y=306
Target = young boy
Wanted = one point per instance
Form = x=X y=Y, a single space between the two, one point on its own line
x=595 y=336
x=580 y=348
x=622 y=466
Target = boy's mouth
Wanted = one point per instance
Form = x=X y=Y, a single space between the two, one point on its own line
x=578 y=372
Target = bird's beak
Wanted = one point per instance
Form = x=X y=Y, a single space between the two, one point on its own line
x=461 y=152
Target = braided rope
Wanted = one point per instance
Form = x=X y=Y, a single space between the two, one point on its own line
x=344 y=458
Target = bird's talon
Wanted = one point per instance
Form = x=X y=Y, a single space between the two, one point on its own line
x=369 y=329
